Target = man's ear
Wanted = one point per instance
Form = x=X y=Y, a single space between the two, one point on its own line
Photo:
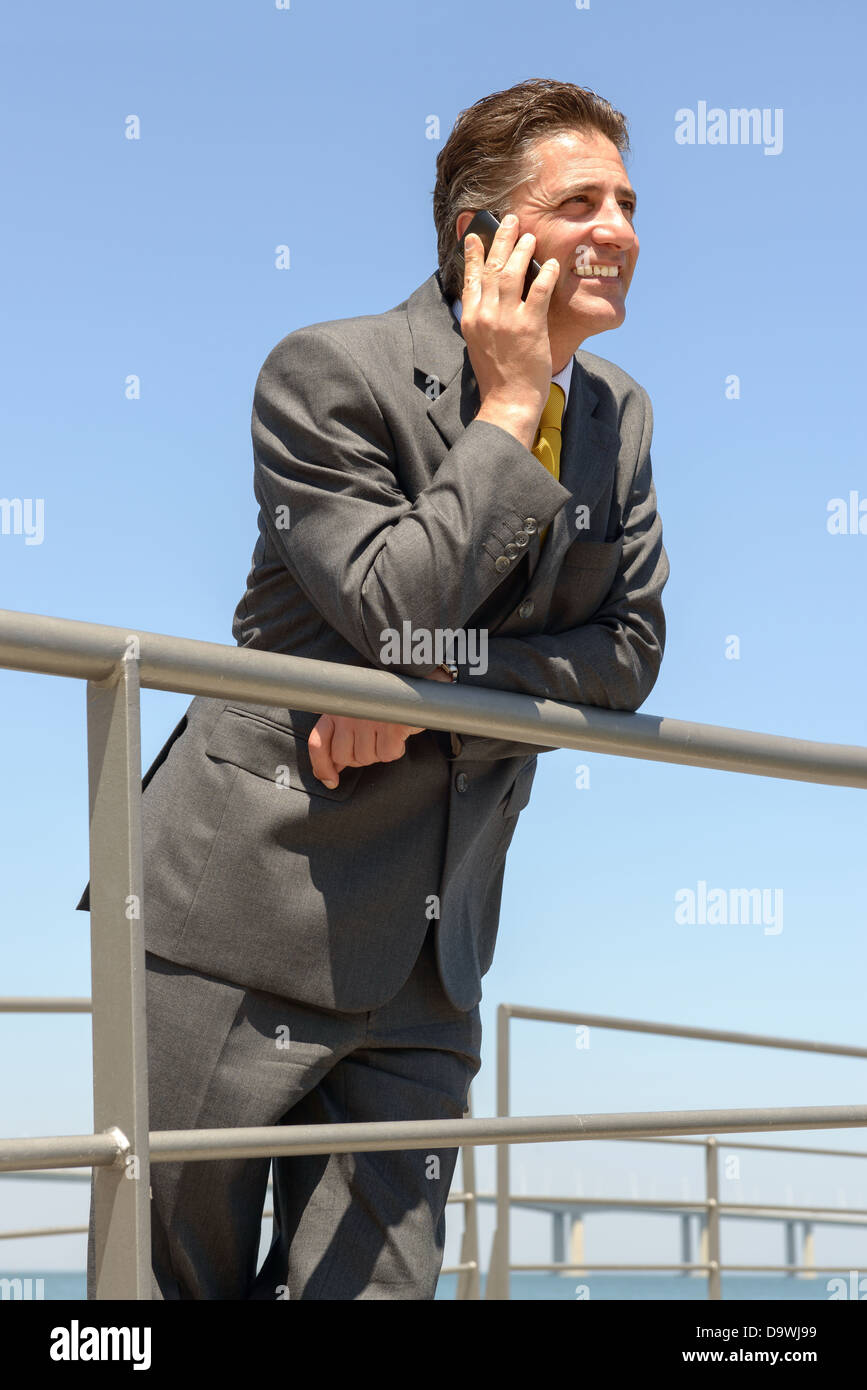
x=464 y=220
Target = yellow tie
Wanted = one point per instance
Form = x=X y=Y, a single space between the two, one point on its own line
x=549 y=437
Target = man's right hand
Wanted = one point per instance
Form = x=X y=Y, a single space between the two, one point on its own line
x=507 y=337
x=339 y=741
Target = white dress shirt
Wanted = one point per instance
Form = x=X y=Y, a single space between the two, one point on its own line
x=562 y=378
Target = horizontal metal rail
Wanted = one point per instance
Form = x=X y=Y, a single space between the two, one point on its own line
x=774 y=1212
x=204 y=1145
x=551 y=1267
x=94 y=652
x=44 y=1231
x=64 y=1151
x=762 y=1211
x=30 y=1005
x=773 y=1148
x=36 y=1005
x=69 y=1176
x=586 y=1268
x=678 y=1030
x=63 y=1175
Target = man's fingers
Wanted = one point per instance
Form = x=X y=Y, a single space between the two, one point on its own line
x=514 y=273
x=539 y=293
x=339 y=741
x=473 y=262
x=481 y=272
x=319 y=745
x=365 y=731
x=343 y=744
x=390 y=743
x=504 y=269
x=502 y=245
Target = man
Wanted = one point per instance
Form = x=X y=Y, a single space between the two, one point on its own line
x=322 y=893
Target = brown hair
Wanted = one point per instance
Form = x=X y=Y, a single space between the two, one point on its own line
x=489 y=154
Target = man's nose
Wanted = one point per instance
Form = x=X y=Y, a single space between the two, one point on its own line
x=613 y=225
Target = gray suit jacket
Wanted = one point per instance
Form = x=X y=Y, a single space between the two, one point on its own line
x=383 y=501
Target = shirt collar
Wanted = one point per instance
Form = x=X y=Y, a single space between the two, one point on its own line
x=562 y=379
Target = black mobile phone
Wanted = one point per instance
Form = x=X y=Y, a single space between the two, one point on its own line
x=485 y=225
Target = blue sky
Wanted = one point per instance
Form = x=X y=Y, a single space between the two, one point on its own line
x=307 y=127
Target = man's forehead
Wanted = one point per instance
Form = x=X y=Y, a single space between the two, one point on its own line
x=570 y=157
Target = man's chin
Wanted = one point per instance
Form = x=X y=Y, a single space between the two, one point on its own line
x=606 y=317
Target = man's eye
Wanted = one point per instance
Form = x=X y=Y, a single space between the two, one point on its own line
x=626 y=203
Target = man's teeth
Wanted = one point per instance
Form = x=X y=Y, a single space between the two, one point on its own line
x=602 y=270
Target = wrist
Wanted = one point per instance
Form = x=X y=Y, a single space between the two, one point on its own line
x=517 y=418
x=446 y=671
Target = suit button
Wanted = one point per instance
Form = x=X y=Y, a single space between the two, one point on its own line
x=526 y=608
x=521 y=538
x=511 y=549
x=530 y=524
x=501 y=563
x=462 y=781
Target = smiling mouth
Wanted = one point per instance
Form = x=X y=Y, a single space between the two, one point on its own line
x=597 y=272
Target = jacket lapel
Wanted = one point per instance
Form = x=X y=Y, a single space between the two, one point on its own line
x=441 y=362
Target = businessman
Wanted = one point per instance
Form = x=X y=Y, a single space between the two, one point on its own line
x=452 y=490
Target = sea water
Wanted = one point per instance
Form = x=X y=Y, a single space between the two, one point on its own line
x=552 y=1288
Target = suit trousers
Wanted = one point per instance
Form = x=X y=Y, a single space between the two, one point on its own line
x=346 y=1226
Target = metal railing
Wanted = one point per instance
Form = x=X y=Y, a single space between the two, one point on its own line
x=468 y=1268
x=116 y=664
x=572 y=1210
x=711 y=1208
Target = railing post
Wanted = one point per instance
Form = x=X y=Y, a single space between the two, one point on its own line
x=120 y=1264
x=497 y=1283
x=468 y=1279
x=686 y=1242
x=714 y=1285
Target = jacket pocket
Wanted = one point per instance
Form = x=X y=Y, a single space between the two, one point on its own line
x=275 y=752
x=594 y=555
x=83 y=904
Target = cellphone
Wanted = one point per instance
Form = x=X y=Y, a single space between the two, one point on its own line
x=485 y=225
